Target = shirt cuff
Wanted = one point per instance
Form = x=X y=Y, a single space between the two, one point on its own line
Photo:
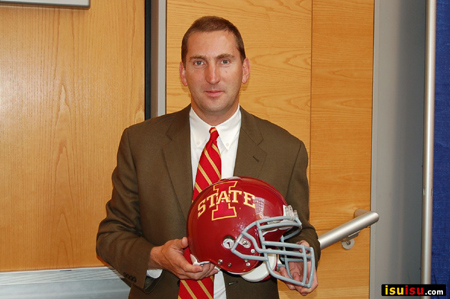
x=154 y=273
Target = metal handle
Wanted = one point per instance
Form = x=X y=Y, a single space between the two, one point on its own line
x=348 y=231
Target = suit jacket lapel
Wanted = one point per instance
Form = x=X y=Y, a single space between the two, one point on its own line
x=177 y=154
x=250 y=157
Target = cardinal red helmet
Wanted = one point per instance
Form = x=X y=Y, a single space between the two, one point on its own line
x=241 y=224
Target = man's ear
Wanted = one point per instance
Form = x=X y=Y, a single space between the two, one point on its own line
x=182 y=71
x=245 y=70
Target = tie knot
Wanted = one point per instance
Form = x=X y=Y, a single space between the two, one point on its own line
x=213 y=134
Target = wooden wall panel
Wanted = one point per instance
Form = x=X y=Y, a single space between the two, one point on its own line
x=341 y=121
x=70 y=81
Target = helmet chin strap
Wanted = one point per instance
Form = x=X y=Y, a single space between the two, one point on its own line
x=261 y=272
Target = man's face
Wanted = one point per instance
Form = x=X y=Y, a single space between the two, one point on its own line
x=214 y=74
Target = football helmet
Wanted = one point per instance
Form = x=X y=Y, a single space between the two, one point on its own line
x=240 y=224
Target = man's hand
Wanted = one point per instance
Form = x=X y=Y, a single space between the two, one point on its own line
x=170 y=257
x=297 y=274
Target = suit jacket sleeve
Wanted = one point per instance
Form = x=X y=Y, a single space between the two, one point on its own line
x=119 y=241
x=298 y=196
x=152 y=193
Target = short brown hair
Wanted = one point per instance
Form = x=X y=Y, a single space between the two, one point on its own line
x=210 y=24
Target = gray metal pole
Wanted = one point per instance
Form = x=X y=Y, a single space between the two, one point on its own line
x=158 y=71
x=427 y=219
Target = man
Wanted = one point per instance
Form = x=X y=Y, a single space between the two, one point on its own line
x=143 y=234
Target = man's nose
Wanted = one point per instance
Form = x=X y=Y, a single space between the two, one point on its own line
x=212 y=74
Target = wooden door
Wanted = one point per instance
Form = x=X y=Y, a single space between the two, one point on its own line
x=341 y=124
x=311 y=73
x=70 y=81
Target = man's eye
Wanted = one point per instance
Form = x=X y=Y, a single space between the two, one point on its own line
x=225 y=61
x=198 y=62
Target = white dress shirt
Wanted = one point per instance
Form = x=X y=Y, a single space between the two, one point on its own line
x=227 y=143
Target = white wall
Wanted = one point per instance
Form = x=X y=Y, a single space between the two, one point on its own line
x=398 y=107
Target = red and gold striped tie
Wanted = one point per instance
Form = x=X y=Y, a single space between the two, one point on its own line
x=208 y=172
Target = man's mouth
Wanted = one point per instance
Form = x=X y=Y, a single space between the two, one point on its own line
x=214 y=93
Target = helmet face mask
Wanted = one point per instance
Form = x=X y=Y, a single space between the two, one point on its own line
x=241 y=224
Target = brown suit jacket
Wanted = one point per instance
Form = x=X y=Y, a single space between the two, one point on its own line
x=153 y=192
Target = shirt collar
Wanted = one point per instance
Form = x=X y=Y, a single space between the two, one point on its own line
x=227 y=130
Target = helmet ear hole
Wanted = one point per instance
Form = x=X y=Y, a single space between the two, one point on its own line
x=228 y=242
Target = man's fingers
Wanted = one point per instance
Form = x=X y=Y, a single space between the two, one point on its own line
x=283 y=272
x=299 y=277
x=184 y=242
x=171 y=258
x=204 y=271
x=305 y=291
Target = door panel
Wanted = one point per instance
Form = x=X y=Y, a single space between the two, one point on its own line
x=70 y=81
x=341 y=122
